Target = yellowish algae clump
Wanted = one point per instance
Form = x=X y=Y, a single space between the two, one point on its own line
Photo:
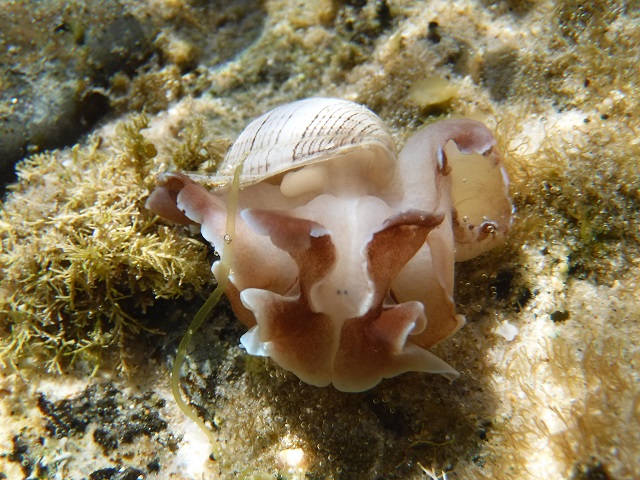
x=82 y=259
x=432 y=91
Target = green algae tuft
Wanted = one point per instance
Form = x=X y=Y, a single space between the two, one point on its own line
x=82 y=260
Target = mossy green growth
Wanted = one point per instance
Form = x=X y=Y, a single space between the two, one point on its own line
x=82 y=259
x=193 y=150
x=579 y=186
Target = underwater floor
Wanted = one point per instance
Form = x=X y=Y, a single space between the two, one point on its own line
x=96 y=291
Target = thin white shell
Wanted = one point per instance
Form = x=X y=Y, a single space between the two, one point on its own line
x=305 y=132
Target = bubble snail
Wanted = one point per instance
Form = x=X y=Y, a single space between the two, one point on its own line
x=343 y=251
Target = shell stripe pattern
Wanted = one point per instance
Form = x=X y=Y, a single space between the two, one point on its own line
x=302 y=130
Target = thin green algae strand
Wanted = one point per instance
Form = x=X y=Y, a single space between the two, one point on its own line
x=223 y=280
